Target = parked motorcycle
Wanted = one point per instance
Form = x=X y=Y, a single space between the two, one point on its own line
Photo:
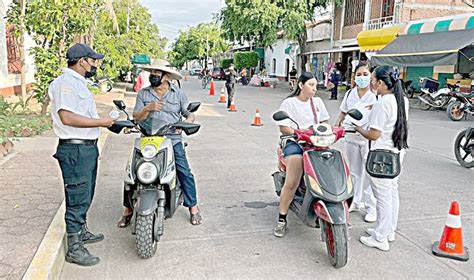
x=464 y=148
x=436 y=98
x=151 y=174
x=98 y=82
x=325 y=189
x=460 y=105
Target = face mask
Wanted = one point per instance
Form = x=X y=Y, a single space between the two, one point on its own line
x=91 y=73
x=155 y=80
x=362 y=81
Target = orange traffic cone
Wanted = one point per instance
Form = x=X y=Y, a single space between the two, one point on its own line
x=450 y=244
x=222 y=96
x=257 y=121
x=232 y=107
x=211 y=91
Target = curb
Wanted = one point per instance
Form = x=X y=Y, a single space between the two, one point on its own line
x=48 y=260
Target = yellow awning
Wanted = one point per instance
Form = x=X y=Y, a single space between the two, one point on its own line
x=377 y=39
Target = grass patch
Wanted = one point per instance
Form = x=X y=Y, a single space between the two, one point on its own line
x=24 y=125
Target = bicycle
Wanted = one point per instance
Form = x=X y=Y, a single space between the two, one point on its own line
x=206 y=80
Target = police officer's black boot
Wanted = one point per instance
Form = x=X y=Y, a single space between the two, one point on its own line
x=89 y=237
x=77 y=253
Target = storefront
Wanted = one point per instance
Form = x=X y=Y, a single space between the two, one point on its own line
x=436 y=48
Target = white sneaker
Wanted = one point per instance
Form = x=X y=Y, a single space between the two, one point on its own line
x=371 y=242
x=370 y=217
x=354 y=208
x=390 y=237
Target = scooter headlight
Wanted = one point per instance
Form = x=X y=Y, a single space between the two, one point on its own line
x=149 y=151
x=147 y=172
x=323 y=141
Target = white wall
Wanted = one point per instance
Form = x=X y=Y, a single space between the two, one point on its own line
x=278 y=53
x=6 y=79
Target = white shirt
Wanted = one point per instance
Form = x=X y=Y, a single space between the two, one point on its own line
x=302 y=113
x=69 y=92
x=383 y=119
x=353 y=101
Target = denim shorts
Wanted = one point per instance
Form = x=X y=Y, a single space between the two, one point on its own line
x=292 y=148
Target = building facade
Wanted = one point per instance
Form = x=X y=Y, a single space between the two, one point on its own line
x=10 y=66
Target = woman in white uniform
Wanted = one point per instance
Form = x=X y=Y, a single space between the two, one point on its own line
x=357 y=147
x=300 y=106
x=388 y=129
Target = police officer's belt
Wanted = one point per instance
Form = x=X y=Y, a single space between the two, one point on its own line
x=78 y=141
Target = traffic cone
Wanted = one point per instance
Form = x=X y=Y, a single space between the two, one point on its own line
x=222 y=96
x=257 y=121
x=232 y=107
x=211 y=91
x=451 y=244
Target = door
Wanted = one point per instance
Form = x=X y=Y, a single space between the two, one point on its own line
x=287 y=69
x=415 y=73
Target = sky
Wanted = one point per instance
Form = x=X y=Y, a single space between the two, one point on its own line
x=173 y=15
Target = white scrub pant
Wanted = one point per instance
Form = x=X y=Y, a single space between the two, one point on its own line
x=386 y=193
x=356 y=151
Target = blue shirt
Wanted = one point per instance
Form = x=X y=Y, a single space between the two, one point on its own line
x=174 y=108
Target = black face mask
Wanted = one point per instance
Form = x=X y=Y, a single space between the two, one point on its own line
x=92 y=72
x=155 y=80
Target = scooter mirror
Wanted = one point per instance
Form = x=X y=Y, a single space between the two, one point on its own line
x=355 y=114
x=194 y=106
x=280 y=115
x=120 y=104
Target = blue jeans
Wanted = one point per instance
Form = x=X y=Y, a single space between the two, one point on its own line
x=185 y=177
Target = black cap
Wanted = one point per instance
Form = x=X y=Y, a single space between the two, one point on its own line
x=82 y=50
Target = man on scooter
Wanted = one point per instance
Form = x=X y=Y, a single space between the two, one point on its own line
x=161 y=104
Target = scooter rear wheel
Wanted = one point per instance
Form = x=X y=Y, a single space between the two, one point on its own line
x=336 y=243
x=464 y=151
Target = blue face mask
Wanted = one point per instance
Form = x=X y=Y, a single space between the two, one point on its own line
x=362 y=81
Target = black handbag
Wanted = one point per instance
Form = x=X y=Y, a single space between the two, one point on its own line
x=383 y=164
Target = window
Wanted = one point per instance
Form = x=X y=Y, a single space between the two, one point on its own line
x=354 y=11
x=387 y=8
x=13 y=51
x=274 y=66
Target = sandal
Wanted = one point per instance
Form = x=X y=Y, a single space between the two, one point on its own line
x=196 y=219
x=125 y=220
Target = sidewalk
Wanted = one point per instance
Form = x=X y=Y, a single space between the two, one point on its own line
x=30 y=194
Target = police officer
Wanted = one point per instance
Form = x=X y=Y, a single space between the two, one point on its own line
x=230 y=79
x=76 y=123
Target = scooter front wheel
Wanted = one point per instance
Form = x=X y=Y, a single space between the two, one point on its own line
x=336 y=242
x=146 y=244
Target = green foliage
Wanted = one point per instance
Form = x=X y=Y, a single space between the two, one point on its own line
x=252 y=20
x=225 y=62
x=196 y=43
x=246 y=59
x=142 y=37
x=13 y=126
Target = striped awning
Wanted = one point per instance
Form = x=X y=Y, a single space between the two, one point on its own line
x=451 y=23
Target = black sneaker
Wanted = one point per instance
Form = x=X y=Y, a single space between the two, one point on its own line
x=89 y=237
x=77 y=253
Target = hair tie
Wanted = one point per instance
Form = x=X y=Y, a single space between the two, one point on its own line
x=395 y=74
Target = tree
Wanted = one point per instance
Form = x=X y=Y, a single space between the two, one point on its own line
x=262 y=21
x=225 y=62
x=246 y=59
x=53 y=27
x=200 y=42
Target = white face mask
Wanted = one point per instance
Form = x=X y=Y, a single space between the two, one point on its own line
x=362 y=81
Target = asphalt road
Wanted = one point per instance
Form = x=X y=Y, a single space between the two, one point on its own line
x=232 y=162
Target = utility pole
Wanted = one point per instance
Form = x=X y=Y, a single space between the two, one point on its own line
x=128 y=16
x=207 y=49
x=22 y=50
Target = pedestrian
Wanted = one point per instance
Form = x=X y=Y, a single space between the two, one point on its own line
x=307 y=110
x=243 y=74
x=76 y=123
x=230 y=78
x=388 y=130
x=335 y=78
x=158 y=105
x=356 y=146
